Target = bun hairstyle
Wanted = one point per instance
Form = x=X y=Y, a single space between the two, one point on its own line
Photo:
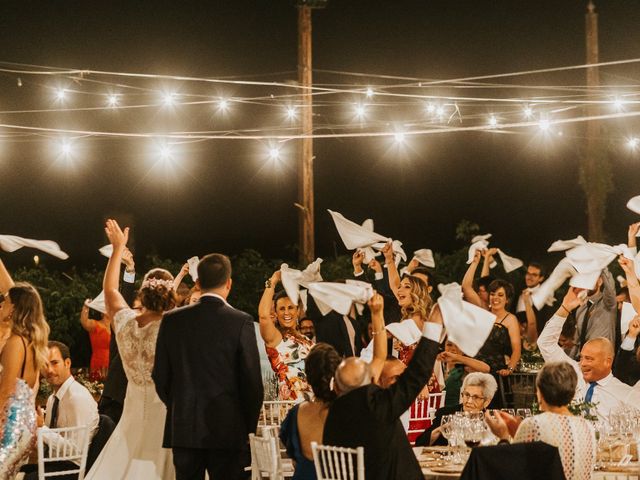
x=156 y=292
x=320 y=367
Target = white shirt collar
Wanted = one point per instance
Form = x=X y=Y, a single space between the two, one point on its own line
x=603 y=381
x=64 y=387
x=216 y=296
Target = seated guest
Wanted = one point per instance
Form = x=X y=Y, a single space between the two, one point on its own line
x=70 y=405
x=304 y=422
x=478 y=390
x=627 y=364
x=557 y=426
x=596 y=383
x=456 y=365
x=366 y=415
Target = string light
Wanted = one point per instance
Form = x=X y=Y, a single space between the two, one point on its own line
x=618 y=104
x=61 y=93
x=633 y=143
x=544 y=124
x=370 y=92
x=360 y=111
x=168 y=99
x=430 y=107
x=274 y=153
x=440 y=111
x=112 y=101
x=528 y=112
x=291 y=113
x=399 y=137
x=223 y=105
x=493 y=121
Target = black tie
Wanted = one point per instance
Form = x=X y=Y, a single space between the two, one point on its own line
x=54 y=413
x=585 y=324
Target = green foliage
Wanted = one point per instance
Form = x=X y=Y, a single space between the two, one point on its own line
x=250 y=271
x=63 y=295
x=466 y=230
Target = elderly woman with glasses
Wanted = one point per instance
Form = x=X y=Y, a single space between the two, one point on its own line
x=476 y=394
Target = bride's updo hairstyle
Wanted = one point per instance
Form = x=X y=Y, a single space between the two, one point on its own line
x=156 y=292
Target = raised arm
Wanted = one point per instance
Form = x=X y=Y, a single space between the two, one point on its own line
x=113 y=299
x=487 y=261
x=376 y=305
x=181 y=274
x=88 y=324
x=632 y=281
x=392 y=269
x=6 y=282
x=548 y=339
x=470 y=295
x=471 y=363
x=268 y=331
x=609 y=290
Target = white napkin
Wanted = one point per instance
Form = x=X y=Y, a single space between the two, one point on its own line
x=467 y=325
x=590 y=257
x=585 y=280
x=363 y=237
x=339 y=296
x=634 y=204
x=478 y=243
x=193 y=267
x=544 y=295
x=627 y=314
x=11 y=243
x=562 y=245
x=406 y=331
x=98 y=303
x=520 y=307
x=509 y=263
x=293 y=279
x=622 y=281
x=424 y=256
x=107 y=250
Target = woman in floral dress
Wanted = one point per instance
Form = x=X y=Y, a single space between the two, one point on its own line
x=286 y=347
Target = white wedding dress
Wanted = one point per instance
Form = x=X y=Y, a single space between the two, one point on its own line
x=134 y=450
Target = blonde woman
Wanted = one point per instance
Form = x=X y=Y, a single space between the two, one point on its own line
x=23 y=354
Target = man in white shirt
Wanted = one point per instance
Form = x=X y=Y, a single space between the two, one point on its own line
x=70 y=405
x=596 y=383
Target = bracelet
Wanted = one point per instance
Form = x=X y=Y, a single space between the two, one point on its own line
x=565 y=309
x=268 y=284
x=373 y=334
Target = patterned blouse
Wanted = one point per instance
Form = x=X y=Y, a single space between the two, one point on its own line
x=287 y=361
x=573 y=435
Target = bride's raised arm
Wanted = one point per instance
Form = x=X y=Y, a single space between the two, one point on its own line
x=113 y=299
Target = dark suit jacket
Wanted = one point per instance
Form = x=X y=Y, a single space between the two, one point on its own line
x=369 y=417
x=207 y=372
x=425 y=437
x=332 y=329
x=626 y=367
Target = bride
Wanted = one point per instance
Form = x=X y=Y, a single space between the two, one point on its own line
x=134 y=450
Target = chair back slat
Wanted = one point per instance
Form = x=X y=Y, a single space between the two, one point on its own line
x=265 y=457
x=273 y=412
x=336 y=463
x=64 y=444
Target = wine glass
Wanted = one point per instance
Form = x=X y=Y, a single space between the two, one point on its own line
x=446 y=430
x=523 y=413
x=473 y=431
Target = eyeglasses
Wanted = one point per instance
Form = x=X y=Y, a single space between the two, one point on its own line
x=474 y=398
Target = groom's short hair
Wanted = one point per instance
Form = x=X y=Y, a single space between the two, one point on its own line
x=213 y=271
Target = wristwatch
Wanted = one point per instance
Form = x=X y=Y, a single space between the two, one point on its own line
x=268 y=284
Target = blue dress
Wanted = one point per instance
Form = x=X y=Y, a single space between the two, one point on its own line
x=305 y=469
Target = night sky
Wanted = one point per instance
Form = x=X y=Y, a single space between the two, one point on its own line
x=224 y=196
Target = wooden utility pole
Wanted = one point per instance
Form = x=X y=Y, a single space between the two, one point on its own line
x=305 y=162
x=595 y=173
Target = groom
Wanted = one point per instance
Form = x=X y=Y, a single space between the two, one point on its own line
x=207 y=373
